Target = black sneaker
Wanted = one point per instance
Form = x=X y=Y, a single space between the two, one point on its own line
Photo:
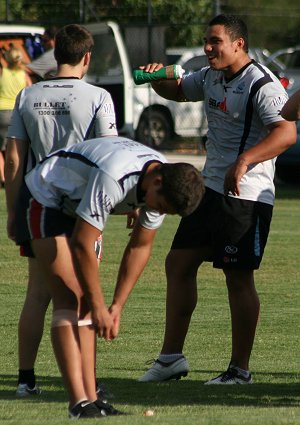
x=106 y=408
x=230 y=377
x=86 y=409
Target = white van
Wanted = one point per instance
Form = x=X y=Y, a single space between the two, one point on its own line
x=141 y=113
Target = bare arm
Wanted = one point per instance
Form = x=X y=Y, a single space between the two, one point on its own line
x=86 y=265
x=282 y=135
x=291 y=110
x=135 y=258
x=16 y=151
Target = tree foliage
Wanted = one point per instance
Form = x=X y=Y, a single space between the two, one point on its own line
x=272 y=23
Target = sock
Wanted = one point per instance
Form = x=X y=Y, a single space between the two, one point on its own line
x=27 y=376
x=169 y=358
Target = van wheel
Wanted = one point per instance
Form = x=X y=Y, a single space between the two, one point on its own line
x=154 y=129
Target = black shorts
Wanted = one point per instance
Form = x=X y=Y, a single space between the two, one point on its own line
x=236 y=230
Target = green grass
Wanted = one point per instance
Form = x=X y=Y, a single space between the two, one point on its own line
x=274 y=398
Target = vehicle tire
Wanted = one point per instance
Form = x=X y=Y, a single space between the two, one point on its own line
x=154 y=129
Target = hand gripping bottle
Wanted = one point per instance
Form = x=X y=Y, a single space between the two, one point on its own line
x=170 y=72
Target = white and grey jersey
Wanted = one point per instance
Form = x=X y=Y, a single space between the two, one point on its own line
x=99 y=177
x=60 y=112
x=238 y=112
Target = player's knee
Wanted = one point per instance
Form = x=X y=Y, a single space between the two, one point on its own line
x=64 y=317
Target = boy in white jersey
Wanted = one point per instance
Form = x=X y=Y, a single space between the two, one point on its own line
x=52 y=114
x=71 y=194
x=243 y=100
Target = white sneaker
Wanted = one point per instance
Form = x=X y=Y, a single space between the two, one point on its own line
x=164 y=371
x=24 y=391
x=230 y=377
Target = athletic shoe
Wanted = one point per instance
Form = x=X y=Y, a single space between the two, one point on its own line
x=230 y=377
x=106 y=408
x=103 y=393
x=161 y=371
x=24 y=391
x=86 y=409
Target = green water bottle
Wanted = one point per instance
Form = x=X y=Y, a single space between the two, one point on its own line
x=170 y=72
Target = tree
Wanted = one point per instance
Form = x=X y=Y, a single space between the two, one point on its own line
x=272 y=23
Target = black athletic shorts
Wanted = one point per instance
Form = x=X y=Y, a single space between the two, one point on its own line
x=236 y=230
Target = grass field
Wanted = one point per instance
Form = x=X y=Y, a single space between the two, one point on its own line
x=274 y=398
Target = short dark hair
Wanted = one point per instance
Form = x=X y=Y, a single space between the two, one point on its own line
x=72 y=42
x=50 y=32
x=182 y=186
x=234 y=26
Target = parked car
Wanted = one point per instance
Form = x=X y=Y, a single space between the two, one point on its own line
x=288 y=60
x=159 y=120
x=288 y=163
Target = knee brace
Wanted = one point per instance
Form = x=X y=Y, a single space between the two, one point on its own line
x=64 y=317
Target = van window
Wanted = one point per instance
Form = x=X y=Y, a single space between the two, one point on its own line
x=105 y=60
x=106 y=68
x=30 y=45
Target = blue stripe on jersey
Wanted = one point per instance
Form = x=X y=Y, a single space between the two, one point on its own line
x=88 y=134
x=73 y=155
x=257 y=248
x=249 y=108
x=127 y=176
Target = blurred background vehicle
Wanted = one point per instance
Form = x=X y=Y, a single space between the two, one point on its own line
x=288 y=61
x=27 y=38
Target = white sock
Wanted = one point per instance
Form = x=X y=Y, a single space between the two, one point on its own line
x=169 y=358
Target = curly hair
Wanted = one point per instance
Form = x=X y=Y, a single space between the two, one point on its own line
x=182 y=186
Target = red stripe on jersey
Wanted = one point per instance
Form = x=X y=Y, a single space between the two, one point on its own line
x=35 y=217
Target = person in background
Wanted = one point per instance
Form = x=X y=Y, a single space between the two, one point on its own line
x=291 y=110
x=47 y=117
x=45 y=66
x=246 y=133
x=13 y=78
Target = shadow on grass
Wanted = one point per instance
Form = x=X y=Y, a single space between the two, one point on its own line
x=175 y=393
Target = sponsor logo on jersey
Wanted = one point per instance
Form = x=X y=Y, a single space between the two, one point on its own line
x=220 y=105
x=108 y=109
x=49 y=105
x=240 y=88
x=278 y=101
